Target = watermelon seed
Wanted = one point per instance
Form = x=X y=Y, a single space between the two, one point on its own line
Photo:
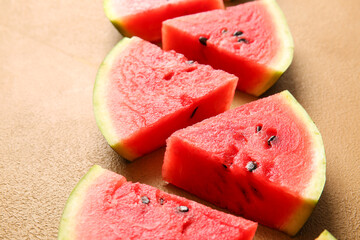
x=243 y=40
x=224 y=166
x=190 y=62
x=161 y=201
x=238 y=33
x=251 y=166
x=145 y=200
x=224 y=30
x=270 y=140
x=183 y=209
x=193 y=113
x=203 y=40
x=258 y=128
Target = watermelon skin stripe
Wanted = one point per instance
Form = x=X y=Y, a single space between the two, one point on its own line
x=103 y=199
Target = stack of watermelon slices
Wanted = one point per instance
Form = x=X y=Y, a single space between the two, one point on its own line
x=264 y=160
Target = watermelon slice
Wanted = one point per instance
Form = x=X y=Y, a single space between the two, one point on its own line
x=143 y=94
x=250 y=40
x=264 y=160
x=104 y=206
x=325 y=235
x=143 y=18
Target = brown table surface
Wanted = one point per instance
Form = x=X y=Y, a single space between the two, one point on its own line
x=49 y=55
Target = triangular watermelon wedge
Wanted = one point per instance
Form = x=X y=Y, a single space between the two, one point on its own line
x=104 y=205
x=142 y=94
x=143 y=18
x=264 y=160
x=251 y=40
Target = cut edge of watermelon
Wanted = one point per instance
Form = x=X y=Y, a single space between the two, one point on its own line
x=76 y=198
x=102 y=115
x=315 y=186
x=284 y=58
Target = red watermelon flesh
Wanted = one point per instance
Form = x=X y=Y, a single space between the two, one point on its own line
x=250 y=40
x=143 y=94
x=144 y=18
x=104 y=206
x=264 y=160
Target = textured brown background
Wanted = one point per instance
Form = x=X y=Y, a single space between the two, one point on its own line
x=49 y=54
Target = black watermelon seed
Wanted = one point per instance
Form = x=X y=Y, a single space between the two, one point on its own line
x=193 y=113
x=251 y=166
x=203 y=40
x=161 y=201
x=224 y=165
x=242 y=40
x=238 y=33
x=258 y=128
x=270 y=140
x=183 y=208
x=224 y=30
x=145 y=199
x=190 y=62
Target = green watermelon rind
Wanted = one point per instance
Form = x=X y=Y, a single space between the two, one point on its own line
x=315 y=187
x=102 y=114
x=325 y=235
x=284 y=58
x=114 y=19
x=68 y=221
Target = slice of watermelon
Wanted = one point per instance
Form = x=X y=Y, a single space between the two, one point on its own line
x=104 y=206
x=143 y=94
x=251 y=40
x=325 y=235
x=264 y=160
x=143 y=18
